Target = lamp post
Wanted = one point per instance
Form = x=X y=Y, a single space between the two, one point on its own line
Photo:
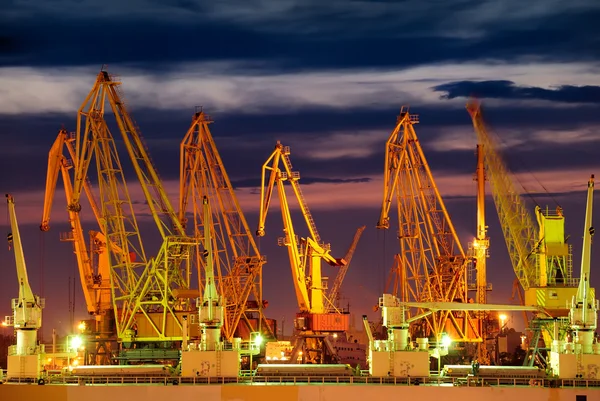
x=503 y=318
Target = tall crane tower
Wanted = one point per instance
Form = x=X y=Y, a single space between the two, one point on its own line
x=542 y=261
x=318 y=316
x=25 y=360
x=94 y=271
x=142 y=286
x=432 y=264
x=237 y=260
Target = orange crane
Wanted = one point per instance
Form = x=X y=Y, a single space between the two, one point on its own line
x=237 y=260
x=432 y=264
x=142 y=286
x=94 y=272
x=318 y=316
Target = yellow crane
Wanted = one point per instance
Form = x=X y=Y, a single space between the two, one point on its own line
x=25 y=359
x=237 y=260
x=318 y=316
x=142 y=286
x=542 y=260
x=431 y=265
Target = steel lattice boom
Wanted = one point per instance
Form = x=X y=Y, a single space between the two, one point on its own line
x=142 y=285
x=431 y=264
x=237 y=260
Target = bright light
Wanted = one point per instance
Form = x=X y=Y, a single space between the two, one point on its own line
x=258 y=340
x=76 y=342
x=81 y=326
x=446 y=340
x=4 y=323
x=335 y=335
x=503 y=318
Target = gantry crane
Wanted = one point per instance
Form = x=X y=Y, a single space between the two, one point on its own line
x=318 y=316
x=94 y=271
x=542 y=263
x=26 y=359
x=431 y=264
x=237 y=259
x=146 y=305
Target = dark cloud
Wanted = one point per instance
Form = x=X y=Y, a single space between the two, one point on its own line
x=509 y=90
x=328 y=39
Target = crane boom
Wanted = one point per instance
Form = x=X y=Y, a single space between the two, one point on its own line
x=334 y=292
x=584 y=306
x=25 y=293
x=238 y=262
x=515 y=221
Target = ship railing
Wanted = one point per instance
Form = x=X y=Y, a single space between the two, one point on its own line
x=470 y=381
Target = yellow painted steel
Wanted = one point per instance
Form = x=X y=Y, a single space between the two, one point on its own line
x=140 y=284
x=305 y=254
x=431 y=265
x=237 y=261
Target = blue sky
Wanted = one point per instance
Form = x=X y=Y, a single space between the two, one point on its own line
x=327 y=79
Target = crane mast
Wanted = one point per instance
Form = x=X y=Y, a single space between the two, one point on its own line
x=142 y=287
x=26 y=358
x=318 y=316
x=431 y=263
x=237 y=260
x=479 y=249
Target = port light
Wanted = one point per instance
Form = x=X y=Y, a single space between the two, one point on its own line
x=258 y=340
x=76 y=342
x=446 y=340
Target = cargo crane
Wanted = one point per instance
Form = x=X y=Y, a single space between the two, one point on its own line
x=237 y=260
x=26 y=358
x=94 y=271
x=143 y=288
x=318 y=316
x=542 y=263
x=431 y=264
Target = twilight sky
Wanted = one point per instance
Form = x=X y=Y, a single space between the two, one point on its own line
x=326 y=78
